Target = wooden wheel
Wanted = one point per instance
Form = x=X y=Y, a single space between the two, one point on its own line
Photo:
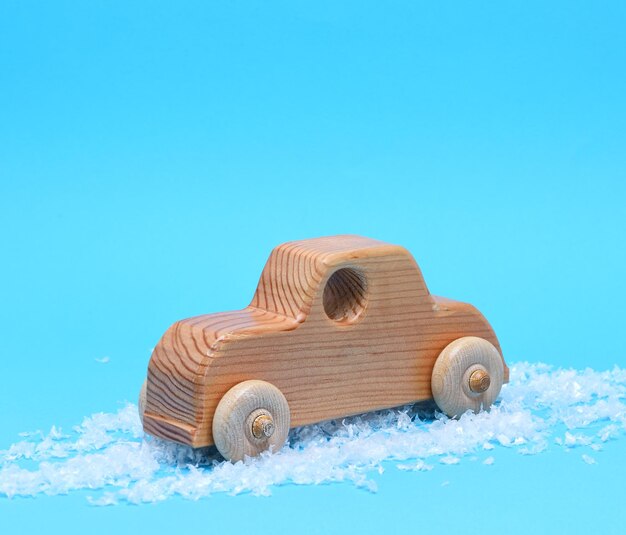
x=142 y=400
x=468 y=375
x=252 y=417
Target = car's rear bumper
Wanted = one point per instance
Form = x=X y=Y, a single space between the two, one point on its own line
x=162 y=427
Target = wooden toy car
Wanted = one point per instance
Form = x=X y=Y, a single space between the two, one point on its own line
x=338 y=326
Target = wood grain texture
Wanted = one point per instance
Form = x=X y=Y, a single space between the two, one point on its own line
x=368 y=340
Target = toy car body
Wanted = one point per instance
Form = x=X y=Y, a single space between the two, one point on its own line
x=339 y=325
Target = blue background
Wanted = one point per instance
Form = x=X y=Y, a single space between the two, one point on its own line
x=152 y=154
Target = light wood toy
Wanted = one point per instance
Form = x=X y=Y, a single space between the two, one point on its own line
x=338 y=326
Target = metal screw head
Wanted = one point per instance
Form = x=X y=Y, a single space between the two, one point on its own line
x=263 y=426
x=479 y=381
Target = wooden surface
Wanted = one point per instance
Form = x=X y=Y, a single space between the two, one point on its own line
x=238 y=421
x=468 y=375
x=366 y=341
x=141 y=404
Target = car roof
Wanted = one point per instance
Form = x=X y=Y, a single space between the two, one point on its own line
x=294 y=270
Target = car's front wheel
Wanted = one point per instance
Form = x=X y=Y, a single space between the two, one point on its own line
x=468 y=375
x=252 y=417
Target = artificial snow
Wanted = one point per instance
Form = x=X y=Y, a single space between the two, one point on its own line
x=540 y=408
x=588 y=459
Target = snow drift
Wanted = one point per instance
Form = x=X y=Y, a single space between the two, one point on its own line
x=541 y=407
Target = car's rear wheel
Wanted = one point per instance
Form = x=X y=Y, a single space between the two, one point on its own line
x=468 y=375
x=251 y=418
x=141 y=404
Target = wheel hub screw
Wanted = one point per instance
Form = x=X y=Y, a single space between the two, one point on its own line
x=263 y=426
x=479 y=381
